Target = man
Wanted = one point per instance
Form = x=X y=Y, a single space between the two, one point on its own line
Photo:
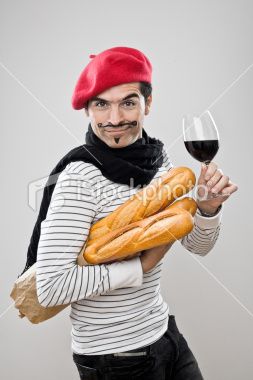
x=121 y=327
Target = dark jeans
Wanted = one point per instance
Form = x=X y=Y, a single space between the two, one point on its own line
x=169 y=358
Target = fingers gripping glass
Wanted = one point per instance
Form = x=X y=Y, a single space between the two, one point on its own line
x=201 y=139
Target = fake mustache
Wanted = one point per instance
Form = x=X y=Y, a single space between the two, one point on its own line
x=130 y=123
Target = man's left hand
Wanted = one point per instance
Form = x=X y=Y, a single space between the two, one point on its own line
x=213 y=181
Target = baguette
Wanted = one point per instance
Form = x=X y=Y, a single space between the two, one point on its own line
x=164 y=227
x=155 y=197
x=187 y=203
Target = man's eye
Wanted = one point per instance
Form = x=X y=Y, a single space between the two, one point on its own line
x=100 y=104
x=129 y=103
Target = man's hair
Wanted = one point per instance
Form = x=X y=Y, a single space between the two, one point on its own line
x=145 y=89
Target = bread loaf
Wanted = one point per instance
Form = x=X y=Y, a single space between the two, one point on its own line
x=155 y=197
x=162 y=228
x=186 y=203
x=90 y=250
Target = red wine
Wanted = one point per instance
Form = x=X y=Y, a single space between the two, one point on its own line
x=202 y=150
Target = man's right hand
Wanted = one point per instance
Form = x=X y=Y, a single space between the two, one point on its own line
x=150 y=257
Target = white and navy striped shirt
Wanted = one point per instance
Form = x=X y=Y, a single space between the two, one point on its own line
x=114 y=307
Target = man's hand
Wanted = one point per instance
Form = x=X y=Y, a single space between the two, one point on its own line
x=216 y=182
x=150 y=257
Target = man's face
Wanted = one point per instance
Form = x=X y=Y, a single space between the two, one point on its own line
x=112 y=110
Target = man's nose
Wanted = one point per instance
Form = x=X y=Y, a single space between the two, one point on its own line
x=115 y=116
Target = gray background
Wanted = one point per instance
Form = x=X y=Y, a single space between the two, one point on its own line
x=202 y=56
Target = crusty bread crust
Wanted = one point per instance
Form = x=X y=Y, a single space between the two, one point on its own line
x=155 y=197
x=144 y=221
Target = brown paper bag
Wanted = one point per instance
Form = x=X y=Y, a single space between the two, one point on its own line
x=24 y=294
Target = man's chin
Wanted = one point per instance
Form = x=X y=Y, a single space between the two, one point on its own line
x=118 y=141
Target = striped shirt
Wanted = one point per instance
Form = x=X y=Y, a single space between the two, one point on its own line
x=114 y=307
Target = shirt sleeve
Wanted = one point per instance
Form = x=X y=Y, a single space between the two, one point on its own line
x=204 y=235
x=206 y=230
x=59 y=279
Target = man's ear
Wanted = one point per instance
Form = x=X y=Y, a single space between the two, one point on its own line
x=86 y=112
x=148 y=104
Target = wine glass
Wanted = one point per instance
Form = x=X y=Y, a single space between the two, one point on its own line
x=201 y=139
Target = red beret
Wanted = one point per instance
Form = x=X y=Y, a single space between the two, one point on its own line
x=110 y=68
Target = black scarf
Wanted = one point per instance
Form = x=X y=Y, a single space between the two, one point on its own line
x=139 y=161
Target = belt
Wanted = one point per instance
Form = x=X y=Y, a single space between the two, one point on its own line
x=142 y=351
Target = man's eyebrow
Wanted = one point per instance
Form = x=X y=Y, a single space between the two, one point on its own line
x=133 y=95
